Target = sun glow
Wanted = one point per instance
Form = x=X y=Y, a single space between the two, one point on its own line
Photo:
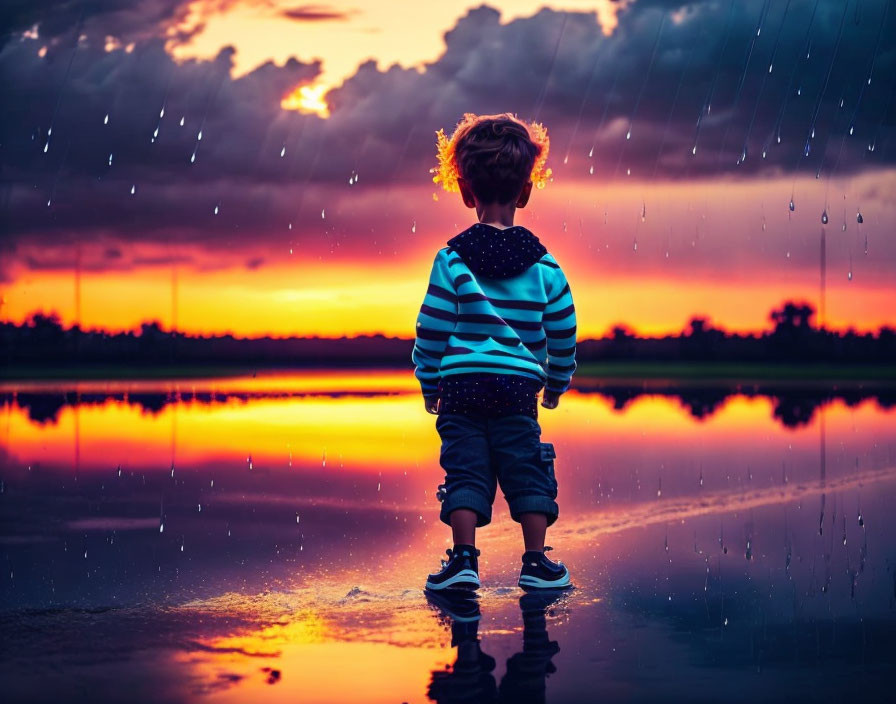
x=308 y=99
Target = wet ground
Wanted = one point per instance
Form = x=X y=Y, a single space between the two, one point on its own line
x=268 y=537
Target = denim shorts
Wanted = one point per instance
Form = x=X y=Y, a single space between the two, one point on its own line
x=480 y=452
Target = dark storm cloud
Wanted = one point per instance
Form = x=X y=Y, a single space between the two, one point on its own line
x=667 y=66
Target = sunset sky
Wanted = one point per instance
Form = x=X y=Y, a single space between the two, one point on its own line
x=262 y=167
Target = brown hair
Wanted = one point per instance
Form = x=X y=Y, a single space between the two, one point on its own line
x=496 y=154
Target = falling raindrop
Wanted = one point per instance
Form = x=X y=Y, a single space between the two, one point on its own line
x=162 y=112
x=628 y=172
x=643 y=211
x=216 y=210
x=859 y=218
x=591 y=169
x=193 y=157
x=694 y=150
x=824 y=217
x=110 y=158
x=119 y=470
x=200 y=508
x=414 y=226
x=791 y=205
x=851 y=128
x=566 y=159
x=861 y=521
x=133 y=189
x=283 y=151
x=181 y=121
x=46 y=146
x=628 y=135
x=106 y=119
x=161 y=527
x=199 y=136
x=591 y=153
x=322 y=214
x=249 y=461
x=155 y=133
x=635 y=245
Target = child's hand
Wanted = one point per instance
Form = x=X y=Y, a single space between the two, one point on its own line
x=550 y=399
x=431 y=403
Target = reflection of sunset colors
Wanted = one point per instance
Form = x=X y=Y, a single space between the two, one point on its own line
x=388 y=434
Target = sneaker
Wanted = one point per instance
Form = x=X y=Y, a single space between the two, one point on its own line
x=538 y=572
x=460 y=571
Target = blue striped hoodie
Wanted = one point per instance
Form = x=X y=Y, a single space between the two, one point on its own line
x=497 y=302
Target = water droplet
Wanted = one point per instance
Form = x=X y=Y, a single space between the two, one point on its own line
x=628 y=135
x=119 y=470
x=155 y=133
x=46 y=146
x=792 y=206
x=181 y=121
x=200 y=508
x=859 y=218
x=812 y=136
x=849 y=275
x=851 y=128
x=861 y=521
x=322 y=214
x=162 y=112
x=216 y=210
x=110 y=159
x=283 y=151
x=770 y=68
x=694 y=150
x=193 y=157
x=249 y=461
x=566 y=159
x=824 y=218
x=414 y=226
x=161 y=527
x=106 y=119
x=635 y=245
x=726 y=621
x=591 y=169
x=133 y=189
x=628 y=172
x=841 y=102
x=199 y=136
x=799 y=91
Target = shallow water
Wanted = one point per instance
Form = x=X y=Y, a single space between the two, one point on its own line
x=228 y=540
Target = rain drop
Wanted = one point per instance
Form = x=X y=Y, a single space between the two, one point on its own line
x=155 y=132
x=414 y=226
x=851 y=128
x=216 y=210
x=792 y=206
x=591 y=169
x=824 y=218
x=162 y=112
x=322 y=214
x=181 y=121
x=193 y=157
x=199 y=136
x=694 y=150
x=628 y=135
x=161 y=527
x=110 y=159
x=106 y=120
x=859 y=218
x=133 y=189
x=283 y=151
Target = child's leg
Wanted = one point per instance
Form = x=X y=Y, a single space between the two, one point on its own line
x=535 y=526
x=463 y=526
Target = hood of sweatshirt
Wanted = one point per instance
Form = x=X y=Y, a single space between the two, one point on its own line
x=496 y=253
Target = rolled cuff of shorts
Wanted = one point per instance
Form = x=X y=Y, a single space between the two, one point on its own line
x=534 y=504
x=465 y=498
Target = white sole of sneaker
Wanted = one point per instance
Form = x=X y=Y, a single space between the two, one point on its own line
x=529 y=582
x=464 y=578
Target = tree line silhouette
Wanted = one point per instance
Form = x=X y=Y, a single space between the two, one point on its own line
x=41 y=340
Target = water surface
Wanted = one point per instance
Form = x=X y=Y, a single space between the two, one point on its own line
x=268 y=536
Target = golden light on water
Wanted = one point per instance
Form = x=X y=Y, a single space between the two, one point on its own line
x=308 y=99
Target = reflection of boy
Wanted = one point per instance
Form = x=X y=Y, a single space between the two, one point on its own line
x=497 y=324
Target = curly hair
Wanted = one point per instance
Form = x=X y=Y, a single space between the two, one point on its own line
x=497 y=154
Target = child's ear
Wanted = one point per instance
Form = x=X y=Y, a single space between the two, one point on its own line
x=466 y=192
x=524 y=195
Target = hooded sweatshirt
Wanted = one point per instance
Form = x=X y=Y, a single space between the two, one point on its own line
x=498 y=311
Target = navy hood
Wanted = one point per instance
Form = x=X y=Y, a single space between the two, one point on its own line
x=496 y=253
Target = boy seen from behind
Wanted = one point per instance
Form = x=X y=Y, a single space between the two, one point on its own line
x=497 y=325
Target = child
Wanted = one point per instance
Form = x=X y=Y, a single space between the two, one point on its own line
x=496 y=325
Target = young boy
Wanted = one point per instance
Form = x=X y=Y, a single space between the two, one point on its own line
x=496 y=325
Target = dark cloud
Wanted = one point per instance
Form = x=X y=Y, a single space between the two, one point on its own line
x=316 y=13
x=674 y=74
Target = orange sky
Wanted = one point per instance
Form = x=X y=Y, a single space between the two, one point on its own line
x=721 y=263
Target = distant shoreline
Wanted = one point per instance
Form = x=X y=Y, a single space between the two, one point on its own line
x=588 y=372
